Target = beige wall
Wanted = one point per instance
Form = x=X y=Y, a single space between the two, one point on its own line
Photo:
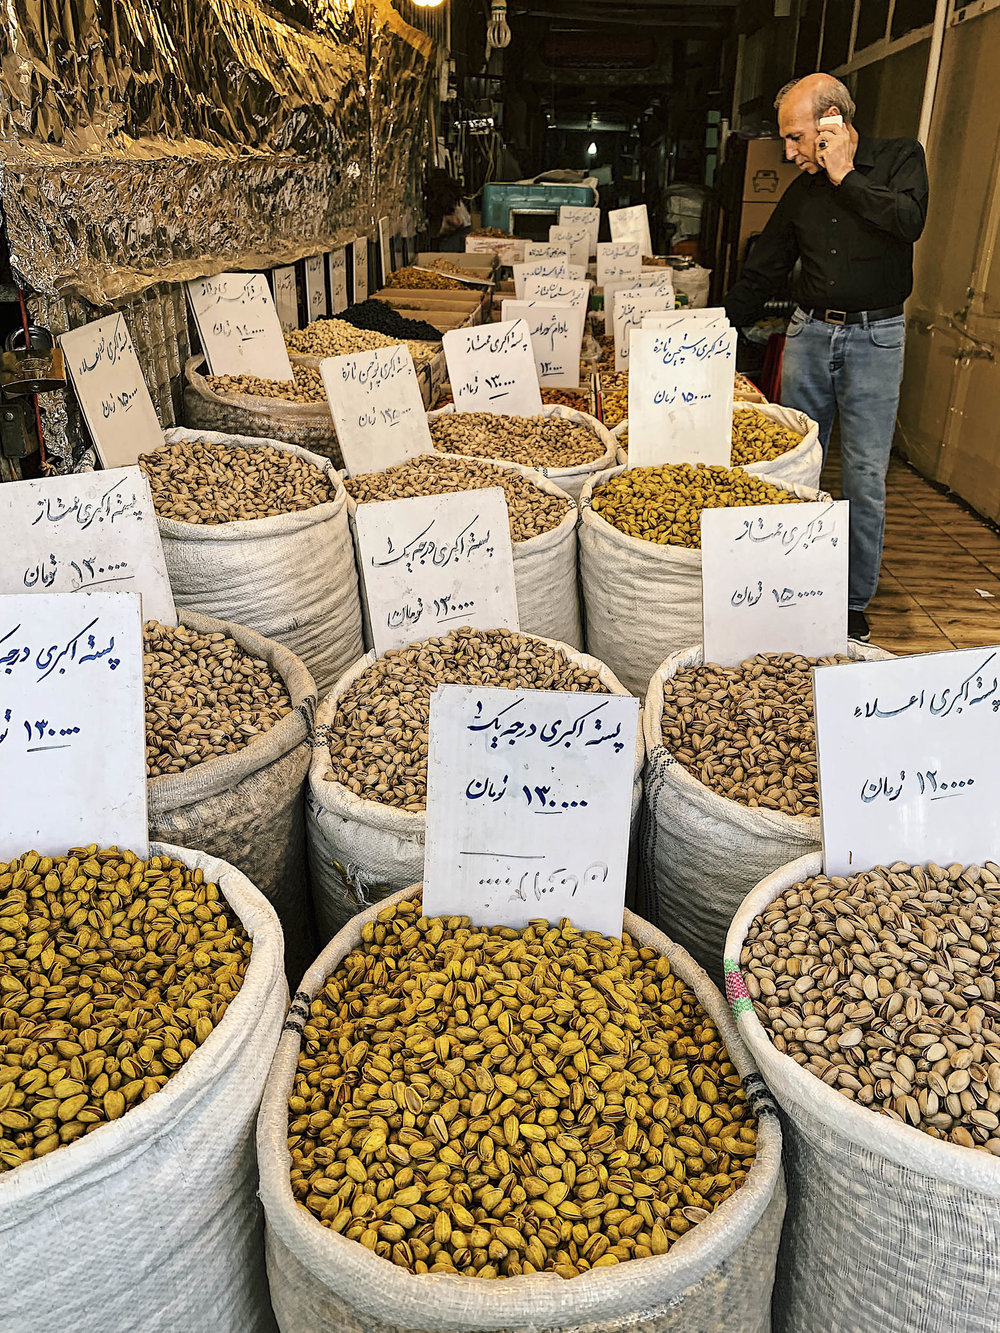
x=889 y=94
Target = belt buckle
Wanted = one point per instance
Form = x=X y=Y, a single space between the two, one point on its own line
x=836 y=316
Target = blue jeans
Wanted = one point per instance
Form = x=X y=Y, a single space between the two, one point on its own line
x=854 y=369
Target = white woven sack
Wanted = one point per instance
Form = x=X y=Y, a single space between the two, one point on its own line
x=151 y=1224
x=717 y=1279
x=290 y=577
x=700 y=852
x=248 y=808
x=545 y=570
x=641 y=600
x=360 y=850
x=309 y=425
x=569 y=479
x=800 y=466
x=888 y=1230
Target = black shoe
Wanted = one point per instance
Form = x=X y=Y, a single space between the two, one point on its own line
x=857 y=627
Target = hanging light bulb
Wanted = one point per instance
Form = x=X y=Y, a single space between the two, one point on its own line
x=592 y=149
x=428 y=4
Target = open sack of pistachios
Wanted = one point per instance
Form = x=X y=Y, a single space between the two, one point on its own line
x=487 y=1130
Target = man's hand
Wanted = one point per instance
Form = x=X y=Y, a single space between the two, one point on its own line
x=835 y=151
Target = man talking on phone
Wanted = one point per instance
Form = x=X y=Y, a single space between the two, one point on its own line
x=850 y=221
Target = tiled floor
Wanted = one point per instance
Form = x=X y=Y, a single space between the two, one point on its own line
x=938 y=561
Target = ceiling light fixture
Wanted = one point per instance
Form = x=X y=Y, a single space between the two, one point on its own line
x=592 y=150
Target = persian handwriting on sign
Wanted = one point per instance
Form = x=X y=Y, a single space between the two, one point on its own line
x=423 y=548
x=45 y=735
x=377 y=407
x=110 y=347
x=118 y=501
x=79 y=648
x=492 y=369
x=694 y=347
x=87 y=573
x=783 y=597
x=978 y=687
x=927 y=784
x=238 y=322
x=793 y=537
x=513 y=792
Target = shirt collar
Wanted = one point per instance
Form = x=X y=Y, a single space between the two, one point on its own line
x=864 y=154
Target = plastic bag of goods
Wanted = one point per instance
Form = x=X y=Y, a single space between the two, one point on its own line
x=868 y=1003
x=257 y=532
x=708 y=834
x=227 y=772
x=642 y=594
x=499 y=1165
x=128 y=1185
x=296 y=412
x=568 y=453
x=543 y=532
x=365 y=843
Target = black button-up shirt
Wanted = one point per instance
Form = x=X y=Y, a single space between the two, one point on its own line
x=854 y=240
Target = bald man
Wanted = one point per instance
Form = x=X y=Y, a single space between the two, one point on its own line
x=850 y=222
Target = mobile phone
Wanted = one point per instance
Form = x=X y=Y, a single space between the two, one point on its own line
x=835 y=119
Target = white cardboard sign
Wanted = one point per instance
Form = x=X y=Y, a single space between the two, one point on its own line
x=631 y=224
x=572 y=215
x=384 y=252
x=556 y=266
x=492 y=369
x=238 y=326
x=556 y=338
x=377 y=407
x=658 y=278
x=316 y=287
x=708 y=315
x=529 y=797
x=111 y=391
x=72 y=723
x=82 y=532
x=562 y=291
x=545 y=250
x=286 y=297
x=630 y=304
x=435 y=562
x=617 y=259
x=907 y=760
x=680 y=396
x=577 y=241
x=360 y=260
x=336 y=262
x=774 y=580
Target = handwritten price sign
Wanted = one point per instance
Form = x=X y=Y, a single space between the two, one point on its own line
x=774 y=580
x=78 y=533
x=528 y=806
x=680 y=395
x=377 y=407
x=111 y=391
x=238 y=325
x=556 y=330
x=72 y=727
x=492 y=369
x=906 y=752
x=434 y=562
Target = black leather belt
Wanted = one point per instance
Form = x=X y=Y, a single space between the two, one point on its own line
x=854 y=316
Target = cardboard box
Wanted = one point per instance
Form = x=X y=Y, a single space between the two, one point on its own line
x=767 y=175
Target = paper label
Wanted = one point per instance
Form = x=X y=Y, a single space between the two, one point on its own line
x=555 y=267
x=286 y=297
x=907 y=760
x=545 y=250
x=433 y=563
x=336 y=262
x=774 y=580
x=109 y=385
x=561 y=291
x=571 y=215
x=617 y=259
x=81 y=532
x=680 y=396
x=238 y=326
x=685 y=318
x=529 y=797
x=360 y=260
x=556 y=339
x=72 y=723
x=492 y=369
x=631 y=224
x=630 y=304
x=507 y=250
x=576 y=239
x=316 y=287
x=377 y=408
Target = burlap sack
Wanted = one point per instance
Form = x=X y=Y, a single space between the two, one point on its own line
x=290 y=577
x=888 y=1230
x=700 y=852
x=545 y=573
x=717 y=1279
x=247 y=808
x=641 y=601
x=151 y=1224
x=359 y=850
x=308 y=425
x=569 y=479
